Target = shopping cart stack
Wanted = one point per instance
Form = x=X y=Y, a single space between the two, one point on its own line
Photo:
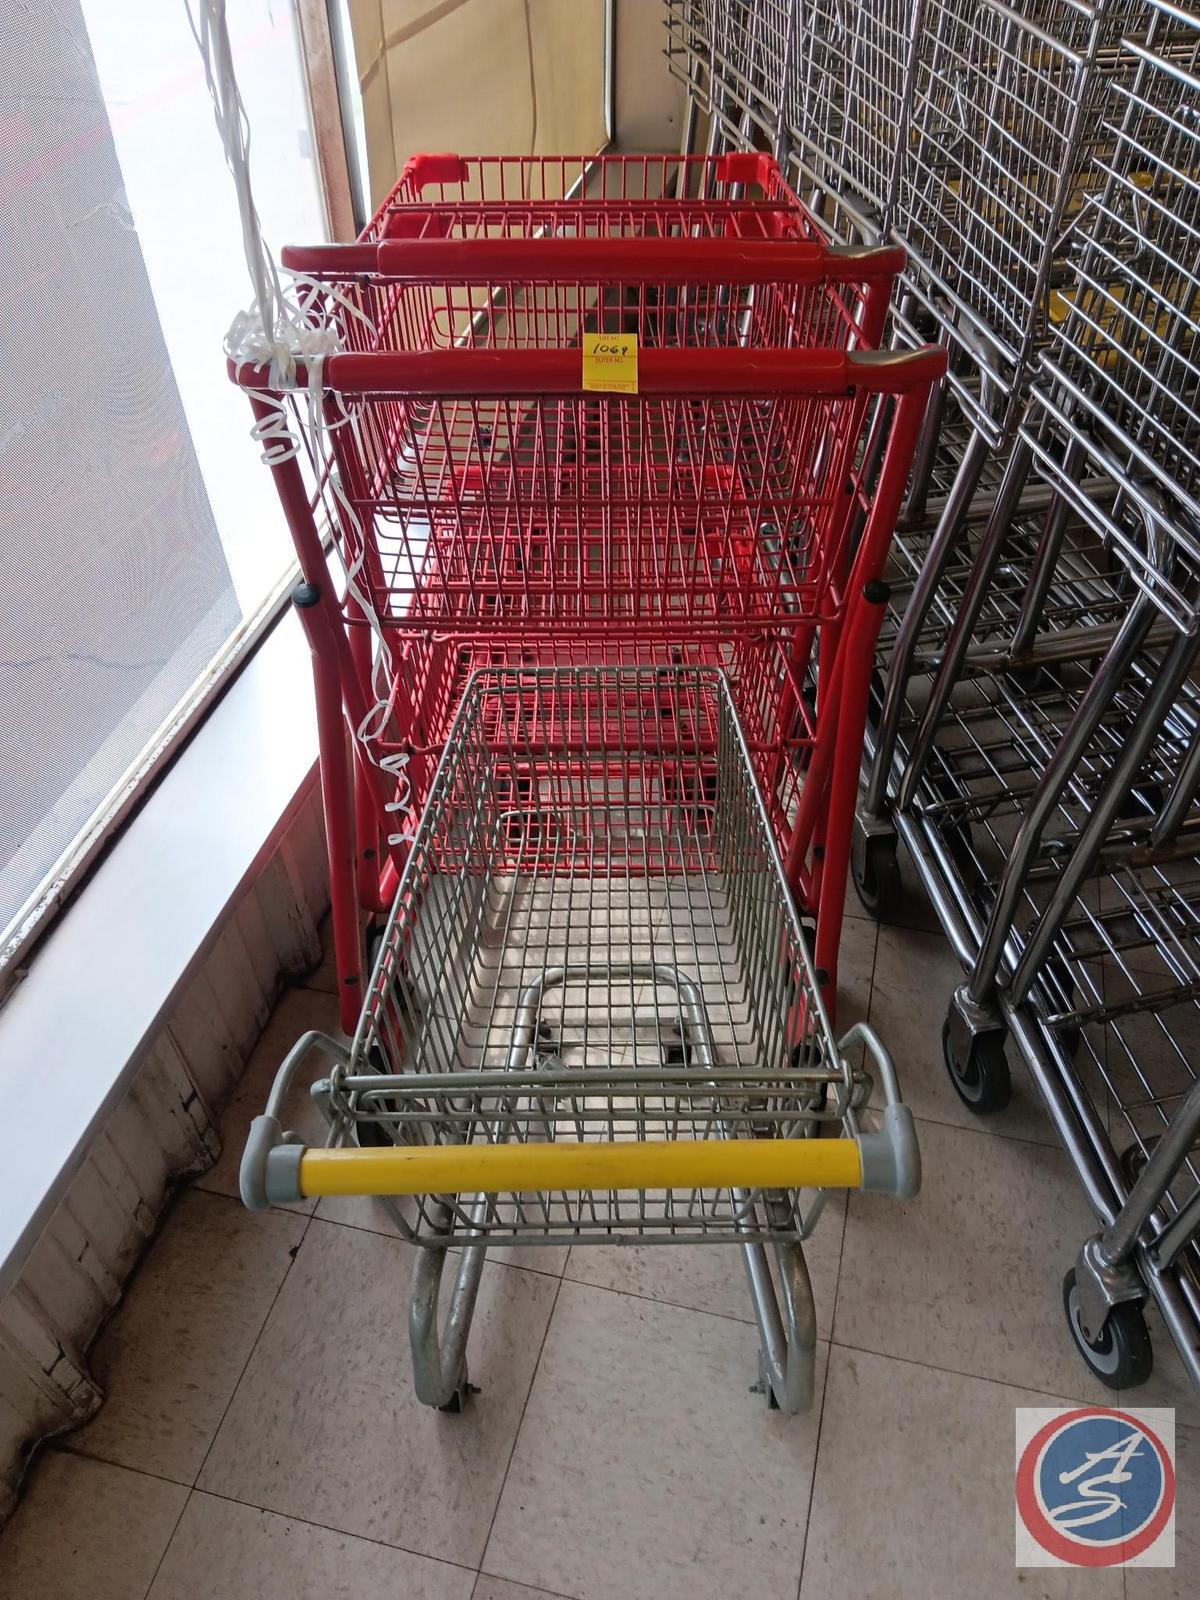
x=613 y=464
x=1035 y=741
x=1097 y=907
x=495 y=510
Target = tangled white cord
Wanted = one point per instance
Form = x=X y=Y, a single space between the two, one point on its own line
x=289 y=325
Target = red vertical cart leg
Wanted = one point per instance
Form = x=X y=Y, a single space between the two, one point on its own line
x=858 y=642
x=336 y=796
x=367 y=831
x=324 y=615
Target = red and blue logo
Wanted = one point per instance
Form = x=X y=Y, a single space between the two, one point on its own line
x=1095 y=1488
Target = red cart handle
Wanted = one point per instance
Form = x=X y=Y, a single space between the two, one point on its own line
x=683 y=374
x=554 y=260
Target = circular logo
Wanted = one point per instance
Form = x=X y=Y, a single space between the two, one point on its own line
x=1095 y=1487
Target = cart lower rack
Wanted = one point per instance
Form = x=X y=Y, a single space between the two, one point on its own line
x=594 y=1017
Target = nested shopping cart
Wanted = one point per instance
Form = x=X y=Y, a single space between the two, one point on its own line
x=736 y=510
x=1037 y=746
x=594 y=1018
x=742 y=194
x=723 y=510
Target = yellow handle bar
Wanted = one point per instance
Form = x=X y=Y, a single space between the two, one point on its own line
x=633 y=1165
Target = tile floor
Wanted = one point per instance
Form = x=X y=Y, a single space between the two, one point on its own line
x=260 y=1440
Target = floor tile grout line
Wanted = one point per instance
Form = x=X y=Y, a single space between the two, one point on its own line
x=966 y=1127
x=816 y=1464
x=325 y=1527
x=294 y=1252
x=980 y=1131
x=494 y=1577
x=379 y=1233
x=959 y=1372
x=837 y=1282
x=657 y=1300
x=167 y=1543
x=517 y=1430
x=60 y=1445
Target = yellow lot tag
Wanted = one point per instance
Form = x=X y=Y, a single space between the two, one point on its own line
x=610 y=362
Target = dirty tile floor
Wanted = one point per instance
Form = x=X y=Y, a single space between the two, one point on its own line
x=260 y=1437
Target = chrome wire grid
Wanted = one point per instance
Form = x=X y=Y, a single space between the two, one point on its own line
x=1042 y=165
x=1120 y=380
x=593 y=940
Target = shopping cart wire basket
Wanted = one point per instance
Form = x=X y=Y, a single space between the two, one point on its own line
x=593 y=1017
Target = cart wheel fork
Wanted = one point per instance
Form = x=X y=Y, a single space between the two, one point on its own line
x=439 y=1357
x=787 y=1357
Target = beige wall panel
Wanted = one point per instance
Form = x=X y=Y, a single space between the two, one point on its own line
x=649 y=111
x=481 y=77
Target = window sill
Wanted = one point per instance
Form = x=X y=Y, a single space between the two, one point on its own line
x=73 y=1032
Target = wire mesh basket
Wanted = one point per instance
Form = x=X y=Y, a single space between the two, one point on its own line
x=1119 y=386
x=594 y=1015
x=742 y=194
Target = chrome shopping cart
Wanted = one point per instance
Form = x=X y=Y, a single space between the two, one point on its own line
x=594 y=1018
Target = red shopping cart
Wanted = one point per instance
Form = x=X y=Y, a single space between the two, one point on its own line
x=742 y=194
x=496 y=511
x=620 y=540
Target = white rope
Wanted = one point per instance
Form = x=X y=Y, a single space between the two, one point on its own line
x=293 y=321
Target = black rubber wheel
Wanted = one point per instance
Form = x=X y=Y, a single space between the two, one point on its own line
x=677 y=1050
x=1132 y=1162
x=545 y=1046
x=1122 y=1357
x=1145 y=799
x=875 y=868
x=373 y=944
x=457 y=1402
x=960 y=843
x=982 y=1080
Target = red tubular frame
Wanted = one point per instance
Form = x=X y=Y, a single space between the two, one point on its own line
x=666 y=374
x=336 y=798
x=401 y=276
x=822 y=825
x=625 y=261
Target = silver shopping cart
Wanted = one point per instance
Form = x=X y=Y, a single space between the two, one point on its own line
x=594 y=1018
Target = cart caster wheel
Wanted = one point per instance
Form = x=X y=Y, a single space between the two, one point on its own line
x=876 y=873
x=545 y=1049
x=763 y=1386
x=1033 y=680
x=959 y=842
x=1132 y=1162
x=981 y=1080
x=1145 y=799
x=1121 y=1357
x=457 y=1402
x=677 y=1052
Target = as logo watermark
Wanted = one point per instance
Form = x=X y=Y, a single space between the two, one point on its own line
x=1095 y=1488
